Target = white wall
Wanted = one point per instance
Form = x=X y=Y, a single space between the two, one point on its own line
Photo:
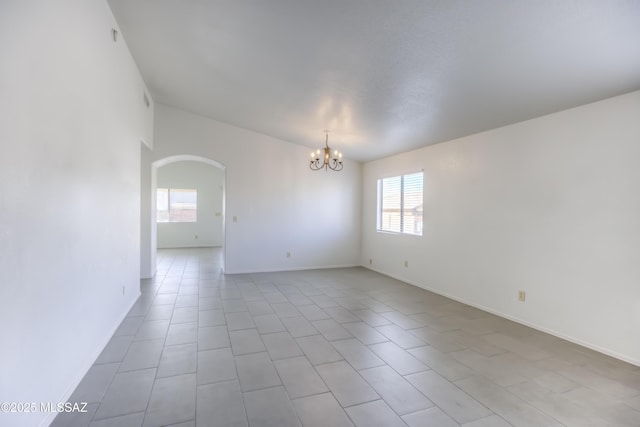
x=281 y=205
x=147 y=260
x=550 y=206
x=72 y=121
x=209 y=182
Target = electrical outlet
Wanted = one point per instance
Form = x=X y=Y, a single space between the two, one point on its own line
x=196 y=237
x=406 y=263
x=522 y=295
x=235 y=218
x=288 y=254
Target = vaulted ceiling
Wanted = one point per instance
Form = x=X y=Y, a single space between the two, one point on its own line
x=383 y=76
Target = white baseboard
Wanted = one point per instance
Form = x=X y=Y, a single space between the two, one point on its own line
x=191 y=245
x=87 y=365
x=591 y=346
x=151 y=276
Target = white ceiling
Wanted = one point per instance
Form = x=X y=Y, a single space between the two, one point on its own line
x=385 y=76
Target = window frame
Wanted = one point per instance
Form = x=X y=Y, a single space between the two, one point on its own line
x=174 y=218
x=402 y=193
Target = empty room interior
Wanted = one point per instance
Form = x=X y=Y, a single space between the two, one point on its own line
x=329 y=213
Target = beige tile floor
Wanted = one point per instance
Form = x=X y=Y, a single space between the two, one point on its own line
x=336 y=347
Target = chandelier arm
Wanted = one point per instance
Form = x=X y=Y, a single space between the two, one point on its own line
x=315 y=165
x=336 y=165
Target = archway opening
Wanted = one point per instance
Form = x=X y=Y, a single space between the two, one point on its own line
x=187 y=198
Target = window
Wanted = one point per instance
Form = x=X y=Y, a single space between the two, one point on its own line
x=400 y=204
x=176 y=205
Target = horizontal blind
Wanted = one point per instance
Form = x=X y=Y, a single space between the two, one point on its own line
x=391 y=204
x=400 y=204
x=412 y=203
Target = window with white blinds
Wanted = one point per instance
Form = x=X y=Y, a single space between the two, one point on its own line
x=400 y=204
x=176 y=205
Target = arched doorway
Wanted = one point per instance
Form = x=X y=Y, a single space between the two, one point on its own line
x=149 y=245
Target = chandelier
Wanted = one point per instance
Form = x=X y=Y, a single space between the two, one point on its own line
x=334 y=163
